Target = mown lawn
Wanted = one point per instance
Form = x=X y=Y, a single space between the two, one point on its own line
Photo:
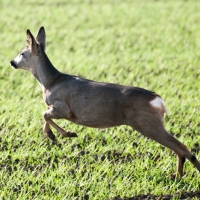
x=144 y=43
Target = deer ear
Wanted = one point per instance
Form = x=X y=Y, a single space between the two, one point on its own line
x=31 y=41
x=41 y=37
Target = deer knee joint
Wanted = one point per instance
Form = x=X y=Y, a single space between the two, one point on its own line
x=46 y=115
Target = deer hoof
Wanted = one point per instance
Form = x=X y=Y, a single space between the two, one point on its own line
x=55 y=142
x=69 y=134
x=175 y=177
x=51 y=136
x=73 y=135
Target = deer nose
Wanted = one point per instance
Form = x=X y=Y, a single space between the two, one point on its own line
x=12 y=64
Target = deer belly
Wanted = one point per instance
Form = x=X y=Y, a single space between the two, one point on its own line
x=101 y=119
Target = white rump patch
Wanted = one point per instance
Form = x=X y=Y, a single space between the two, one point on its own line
x=158 y=103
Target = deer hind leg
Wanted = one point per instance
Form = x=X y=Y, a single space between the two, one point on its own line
x=187 y=154
x=180 y=165
x=58 y=111
x=152 y=127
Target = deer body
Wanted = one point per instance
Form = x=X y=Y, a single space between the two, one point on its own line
x=112 y=106
x=96 y=104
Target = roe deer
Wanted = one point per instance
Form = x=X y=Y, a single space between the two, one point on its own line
x=96 y=104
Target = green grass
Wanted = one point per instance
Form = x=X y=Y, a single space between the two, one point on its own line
x=150 y=44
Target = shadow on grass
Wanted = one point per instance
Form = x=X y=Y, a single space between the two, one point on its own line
x=183 y=195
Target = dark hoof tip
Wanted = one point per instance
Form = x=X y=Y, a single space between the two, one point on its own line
x=70 y=134
x=55 y=142
x=173 y=176
x=73 y=135
x=176 y=177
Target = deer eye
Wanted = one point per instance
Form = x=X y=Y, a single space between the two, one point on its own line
x=22 y=54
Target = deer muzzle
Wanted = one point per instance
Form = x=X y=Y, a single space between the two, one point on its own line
x=13 y=64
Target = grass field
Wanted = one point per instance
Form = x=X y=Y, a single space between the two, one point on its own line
x=144 y=43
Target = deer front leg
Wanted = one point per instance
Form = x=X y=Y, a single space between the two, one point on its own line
x=59 y=110
x=47 y=131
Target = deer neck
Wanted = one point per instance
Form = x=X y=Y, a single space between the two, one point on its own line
x=45 y=72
